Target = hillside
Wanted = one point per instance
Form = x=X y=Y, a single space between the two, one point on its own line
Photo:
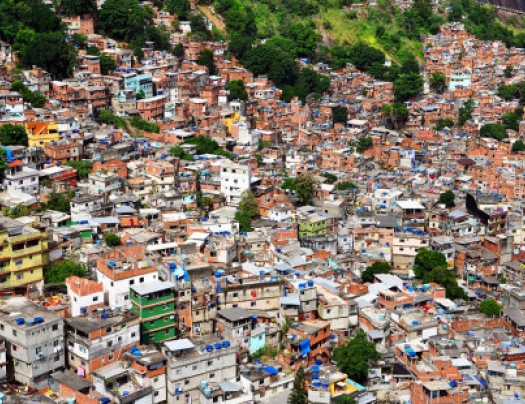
x=340 y=24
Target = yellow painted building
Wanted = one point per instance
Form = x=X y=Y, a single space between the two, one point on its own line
x=39 y=133
x=23 y=255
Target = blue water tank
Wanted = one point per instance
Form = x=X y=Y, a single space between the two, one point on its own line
x=20 y=321
x=315 y=368
x=225 y=344
x=209 y=348
x=218 y=346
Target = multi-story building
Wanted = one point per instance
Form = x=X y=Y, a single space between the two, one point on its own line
x=34 y=340
x=405 y=247
x=23 y=255
x=97 y=339
x=191 y=363
x=123 y=267
x=150 y=366
x=86 y=295
x=40 y=133
x=235 y=179
x=154 y=303
x=20 y=179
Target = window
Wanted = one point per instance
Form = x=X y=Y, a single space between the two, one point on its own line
x=15 y=348
x=167 y=332
x=235 y=294
x=186 y=381
x=133 y=335
x=20 y=276
x=194 y=367
x=14 y=334
x=253 y=304
x=132 y=281
x=108 y=329
x=110 y=357
x=210 y=363
x=141 y=279
x=109 y=343
x=213 y=253
x=212 y=375
x=56 y=358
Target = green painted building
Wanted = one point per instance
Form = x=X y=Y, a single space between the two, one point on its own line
x=154 y=303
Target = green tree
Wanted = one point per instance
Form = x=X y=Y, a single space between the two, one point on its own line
x=180 y=7
x=15 y=135
x=511 y=120
x=508 y=72
x=304 y=38
x=144 y=125
x=304 y=187
x=465 y=112
x=288 y=183
x=58 y=202
x=444 y=122
x=330 y=178
x=77 y=7
x=346 y=185
x=124 y=19
x=80 y=40
x=279 y=66
x=51 y=52
x=427 y=260
x=447 y=198
x=206 y=59
x=14 y=212
x=339 y=114
x=518 y=146
x=177 y=151
x=82 y=167
x=438 y=82
x=178 y=50
x=236 y=90
x=493 y=130
x=248 y=209
x=60 y=270
x=407 y=86
x=112 y=240
x=431 y=266
x=140 y=95
x=299 y=392
x=36 y=99
x=198 y=27
x=490 y=307
x=506 y=91
x=377 y=267
x=352 y=358
x=364 y=143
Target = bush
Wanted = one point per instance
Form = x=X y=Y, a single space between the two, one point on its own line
x=60 y=270
x=144 y=125
x=112 y=240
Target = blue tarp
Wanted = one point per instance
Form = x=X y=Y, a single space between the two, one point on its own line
x=270 y=369
x=305 y=347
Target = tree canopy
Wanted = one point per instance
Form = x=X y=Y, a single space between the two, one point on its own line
x=518 y=146
x=180 y=7
x=352 y=358
x=299 y=392
x=206 y=59
x=236 y=90
x=248 y=209
x=438 y=81
x=304 y=187
x=77 y=7
x=490 y=307
x=377 y=267
x=431 y=266
x=112 y=240
x=447 y=198
x=493 y=130
x=124 y=19
x=339 y=114
x=60 y=270
x=11 y=135
x=82 y=167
